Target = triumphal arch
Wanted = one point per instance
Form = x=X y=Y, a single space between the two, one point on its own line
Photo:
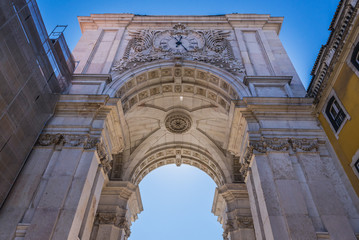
x=215 y=92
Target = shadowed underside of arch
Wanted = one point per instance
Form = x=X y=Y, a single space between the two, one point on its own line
x=153 y=92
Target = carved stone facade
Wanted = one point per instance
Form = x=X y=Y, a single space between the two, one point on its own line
x=227 y=101
x=178 y=44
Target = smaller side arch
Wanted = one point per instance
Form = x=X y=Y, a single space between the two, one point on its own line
x=177 y=155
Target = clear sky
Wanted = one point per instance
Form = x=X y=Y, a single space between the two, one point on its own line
x=177 y=201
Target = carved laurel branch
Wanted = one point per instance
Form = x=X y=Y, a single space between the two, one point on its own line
x=114 y=219
x=74 y=140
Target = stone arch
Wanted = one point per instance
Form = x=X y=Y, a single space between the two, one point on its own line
x=210 y=87
x=178 y=155
x=214 y=77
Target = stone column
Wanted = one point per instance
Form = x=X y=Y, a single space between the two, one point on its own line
x=77 y=147
x=231 y=205
x=281 y=203
x=286 y=206
x=295 y=192
x=119 y=205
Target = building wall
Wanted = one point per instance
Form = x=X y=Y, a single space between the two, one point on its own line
x=346 y=144
x=334 y=74
x=27 y=84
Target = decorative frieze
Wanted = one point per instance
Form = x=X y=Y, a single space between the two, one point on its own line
x=329 y=54
x=240 y=168
x=305 y=145
x=283 y=144
x=49 y=139
x=78 y=141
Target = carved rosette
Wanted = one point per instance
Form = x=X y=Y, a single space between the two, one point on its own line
x=240 y=168
x=77 y=141
x=209 y=46
x=178 y=122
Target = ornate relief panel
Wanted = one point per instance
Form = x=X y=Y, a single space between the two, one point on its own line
x=181 y=43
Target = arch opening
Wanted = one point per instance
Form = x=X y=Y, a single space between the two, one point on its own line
x=179 y=198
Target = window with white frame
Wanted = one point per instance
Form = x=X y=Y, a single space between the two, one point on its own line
x=355 y=163
x=335 y=113
x=355 y=56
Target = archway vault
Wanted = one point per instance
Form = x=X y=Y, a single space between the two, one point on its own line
x=152 y=92
x=190 y=72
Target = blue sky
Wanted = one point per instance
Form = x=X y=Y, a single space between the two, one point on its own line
x=177 y=201
x=304 y=30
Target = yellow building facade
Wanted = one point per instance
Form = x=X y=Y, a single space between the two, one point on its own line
x=335 y=87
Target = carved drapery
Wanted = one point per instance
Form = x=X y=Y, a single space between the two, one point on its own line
x=76 y=140
x=209 y=46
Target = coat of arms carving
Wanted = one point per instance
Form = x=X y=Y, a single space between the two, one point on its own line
x=209 y=46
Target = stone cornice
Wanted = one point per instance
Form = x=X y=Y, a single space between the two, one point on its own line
x=99 y=113
x=231 y=192
x=119 y=197
x=107 y=78
x=330 y=53
x=82 y=104
x=95 y=21
x=262 y=21
x=270 y=105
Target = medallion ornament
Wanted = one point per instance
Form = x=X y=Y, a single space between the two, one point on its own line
x=178 y=122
